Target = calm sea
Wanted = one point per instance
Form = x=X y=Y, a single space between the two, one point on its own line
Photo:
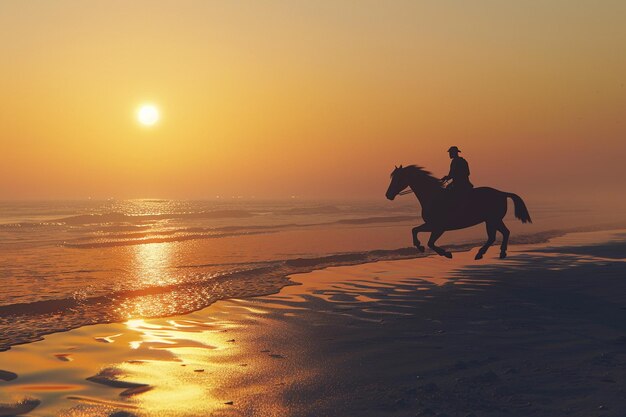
x=69 y=264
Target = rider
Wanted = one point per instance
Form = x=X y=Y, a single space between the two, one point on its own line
x=459 y=172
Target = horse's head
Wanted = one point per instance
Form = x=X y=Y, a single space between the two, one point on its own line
x=397 y=184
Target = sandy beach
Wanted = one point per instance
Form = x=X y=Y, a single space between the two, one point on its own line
x=542 y=333
x=312 y=208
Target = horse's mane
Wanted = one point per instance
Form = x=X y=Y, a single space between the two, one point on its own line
x=419 y=172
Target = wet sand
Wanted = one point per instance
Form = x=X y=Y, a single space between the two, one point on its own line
x=542 y=333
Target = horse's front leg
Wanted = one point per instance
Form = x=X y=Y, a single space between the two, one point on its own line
x=436 y=234
x=416 y=242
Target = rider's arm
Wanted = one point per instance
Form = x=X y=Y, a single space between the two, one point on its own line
x=451 y=173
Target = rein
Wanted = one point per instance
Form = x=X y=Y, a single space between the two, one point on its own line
x=409 y=191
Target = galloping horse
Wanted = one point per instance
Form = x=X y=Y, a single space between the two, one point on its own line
x=444 y=210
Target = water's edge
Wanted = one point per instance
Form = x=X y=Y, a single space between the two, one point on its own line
x=61 y=315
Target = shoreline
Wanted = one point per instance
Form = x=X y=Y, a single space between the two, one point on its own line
x=530 y=334
x=275 y=276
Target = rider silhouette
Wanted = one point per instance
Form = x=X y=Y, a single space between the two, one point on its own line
x=459 y=172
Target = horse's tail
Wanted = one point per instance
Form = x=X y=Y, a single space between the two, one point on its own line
x=521 y=212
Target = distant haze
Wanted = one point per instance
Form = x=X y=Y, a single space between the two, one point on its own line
x=314 y=99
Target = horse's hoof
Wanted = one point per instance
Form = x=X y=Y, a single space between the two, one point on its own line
x=421 y=248
x=502 y=255
x=478 y=256
x=447 y=255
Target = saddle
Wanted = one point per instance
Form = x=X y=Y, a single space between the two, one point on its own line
x=453 y=198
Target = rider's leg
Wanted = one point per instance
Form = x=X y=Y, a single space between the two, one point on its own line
x=416 y=230
x=491 y=237
x=505 y=238
x=431 y=244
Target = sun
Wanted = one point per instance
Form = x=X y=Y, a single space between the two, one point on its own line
x=148 y=114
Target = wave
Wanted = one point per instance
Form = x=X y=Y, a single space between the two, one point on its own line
x=29 y=225
x=353 y=221
x=28 y=322
x=124 y=221
x=116 y=217
x=142 y=235
x=327 y=209
x=380 y=219
x=156 y=239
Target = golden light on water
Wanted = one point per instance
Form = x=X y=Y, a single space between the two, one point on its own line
x=152 y=261
x=148 y=114
x=150 y=269
x=182 y=358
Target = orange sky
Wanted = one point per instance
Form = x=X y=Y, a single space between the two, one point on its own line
x=317 y=99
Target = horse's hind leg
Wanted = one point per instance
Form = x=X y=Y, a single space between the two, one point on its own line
x=431 y=244
x=491 y=237
x=505 y=238
x=416 y=241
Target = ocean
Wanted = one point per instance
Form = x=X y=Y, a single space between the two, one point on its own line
x=68 y=264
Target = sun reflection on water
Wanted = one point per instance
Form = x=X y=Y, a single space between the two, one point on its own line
x=180 y=359
x=152 y=262
x=150 y=270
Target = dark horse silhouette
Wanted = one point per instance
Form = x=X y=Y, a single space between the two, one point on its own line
x=444 y=210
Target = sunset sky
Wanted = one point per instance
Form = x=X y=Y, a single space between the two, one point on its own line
x=315 y=99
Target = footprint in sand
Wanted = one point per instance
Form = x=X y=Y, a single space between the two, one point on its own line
x=65 y=357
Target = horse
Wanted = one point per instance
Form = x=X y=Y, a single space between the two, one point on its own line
x=444 y=210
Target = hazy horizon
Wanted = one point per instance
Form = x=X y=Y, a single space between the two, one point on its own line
x=203 y=210
x=318 y=100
